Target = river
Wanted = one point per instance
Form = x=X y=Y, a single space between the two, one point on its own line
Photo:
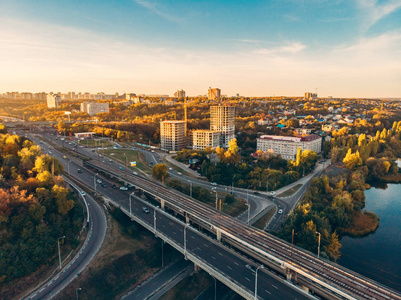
x=378 y=255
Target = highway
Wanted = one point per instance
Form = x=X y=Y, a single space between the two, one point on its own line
x=264 y=245
x=230 y=263
x=97 y=231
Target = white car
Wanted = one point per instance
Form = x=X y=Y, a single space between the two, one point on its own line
x=124 y=188
x=280 y=211
x=83 y=193
x=179 y=173
x=213 y=183
x=135 y=173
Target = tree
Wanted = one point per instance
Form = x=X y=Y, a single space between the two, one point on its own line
x=159 y=171
x=298 y=159
x=3 y=128
x=333 y=249
x=352 y=160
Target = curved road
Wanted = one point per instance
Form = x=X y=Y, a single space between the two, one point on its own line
x=97 y=232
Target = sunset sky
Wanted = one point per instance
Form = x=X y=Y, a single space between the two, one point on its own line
x=349 y=48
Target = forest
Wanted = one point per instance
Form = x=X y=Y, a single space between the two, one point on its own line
x=36 y=208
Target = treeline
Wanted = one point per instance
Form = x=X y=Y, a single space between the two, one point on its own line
x=36 y=208
x=269 y=171
x=332 y=205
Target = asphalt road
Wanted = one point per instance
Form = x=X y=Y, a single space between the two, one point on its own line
x=97 y=230
x=232 y=265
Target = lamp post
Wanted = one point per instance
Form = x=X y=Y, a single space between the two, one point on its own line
x=318 y=246
x=130 y=205
x=190 y=188
x=162 y=253
x=185 y=240
x=154 y=219
x=94 y=181
x=216 y=197
x=59 y=254
x=256 y=280
x=76 y=292
x=215 y=288
x=232 y=186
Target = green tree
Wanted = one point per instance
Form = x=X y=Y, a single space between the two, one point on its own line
x=159 y=171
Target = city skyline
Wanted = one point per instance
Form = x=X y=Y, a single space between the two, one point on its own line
x=267 y=48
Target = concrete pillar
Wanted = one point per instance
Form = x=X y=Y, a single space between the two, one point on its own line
x=218 y=234
x=162 y=204
x=196 y=268
x=187 y=218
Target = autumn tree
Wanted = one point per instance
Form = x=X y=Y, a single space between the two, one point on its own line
x=352 y=160
x=159 y=171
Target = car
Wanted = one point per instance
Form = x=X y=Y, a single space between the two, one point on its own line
x=104 y=185
x=256 y=193
x=130 y=186
x=99 y=181
x=179 y=173
x=69 y=143
x=121 y=168
x=124 y=188
x=113 y=186
x=65 y=157
x=62 y=139
x=213 y=183
x=135 y=173
x=79 y=171
x=280 y=211
x=83 y=193
x=170 y=169
x=110 y=160
x=145 y=210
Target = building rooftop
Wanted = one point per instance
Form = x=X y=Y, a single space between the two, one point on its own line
x=307 y=138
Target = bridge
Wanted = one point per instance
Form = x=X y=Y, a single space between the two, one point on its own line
x=316 y=276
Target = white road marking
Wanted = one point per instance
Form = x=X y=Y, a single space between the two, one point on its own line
x=275 y=287
x=268 y=292
x=247 y=278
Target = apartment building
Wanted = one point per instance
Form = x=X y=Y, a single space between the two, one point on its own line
x=287 y=146
x=179 y=94
x=213 y=94
x=205 y=138
x=53 y=100
x=93 y=108
x=172 y=135
x=222 y=119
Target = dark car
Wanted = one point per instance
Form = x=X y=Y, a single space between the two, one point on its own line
x=103 y=185
x=113 y=186
x=79 y=171
x=256 y=193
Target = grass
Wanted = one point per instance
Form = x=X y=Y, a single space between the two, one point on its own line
x=130 y=254
x=290 y=191
x=92 y=143
x=262 y=222
x=362 y=224
x=128 y=155
x=190 y=287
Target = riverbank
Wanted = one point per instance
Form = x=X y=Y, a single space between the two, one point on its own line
x=363 y=223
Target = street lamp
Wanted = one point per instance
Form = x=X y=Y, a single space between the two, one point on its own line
x=232 y=186
x=185 y=240
x=247 y=204
x=318 y=247
x=190 y=188
x=216 y=197
x=130 y=205
x=256 y=280
x=58 y=245
x=78 y=290
x=94 y=181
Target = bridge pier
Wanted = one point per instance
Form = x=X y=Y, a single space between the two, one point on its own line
x=162 y=202
x=218 y=234
x=186 y=218
x=292 y=276
x=196 y=268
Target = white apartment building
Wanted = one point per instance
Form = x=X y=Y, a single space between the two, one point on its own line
x=172 y=135
x=93 y=108
x=222 y=119
x=53 y=100
x=287 y=146
x=179 y=94
x=205 y=138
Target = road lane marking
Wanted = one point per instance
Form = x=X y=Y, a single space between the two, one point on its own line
x=213 y=257
x=220 y=254
x=268 y=292
x=247 y=278
x=275 y=287
x=236 y=263
x=206 y=246
x=229 y=267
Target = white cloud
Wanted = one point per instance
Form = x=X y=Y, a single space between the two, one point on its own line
x=154 y=9
x=290 y=48
x=372 y=11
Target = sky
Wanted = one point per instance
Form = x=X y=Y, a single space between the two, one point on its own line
x=349 y=48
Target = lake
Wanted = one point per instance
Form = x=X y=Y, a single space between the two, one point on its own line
x=378 y=255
